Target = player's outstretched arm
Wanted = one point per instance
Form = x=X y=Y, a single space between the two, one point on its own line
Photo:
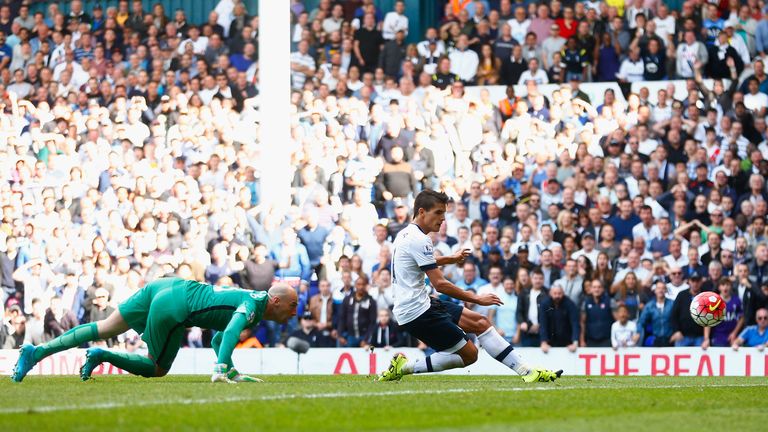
x=444 y=286
x=216 y=345
x=456 y=258
x=229 y=339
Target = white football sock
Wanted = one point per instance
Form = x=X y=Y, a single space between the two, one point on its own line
x=502 y=351
x=437 y=362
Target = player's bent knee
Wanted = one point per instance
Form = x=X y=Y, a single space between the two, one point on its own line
x=160 y=372
x=468 y=353
x=112 y=325
x=483 y=324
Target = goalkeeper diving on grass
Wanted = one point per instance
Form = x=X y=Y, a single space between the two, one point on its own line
x=440 y=324
x=161 y=311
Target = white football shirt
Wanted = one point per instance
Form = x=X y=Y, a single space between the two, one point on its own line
x=412 y=255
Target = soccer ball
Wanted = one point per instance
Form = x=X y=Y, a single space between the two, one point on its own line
x=708 y=309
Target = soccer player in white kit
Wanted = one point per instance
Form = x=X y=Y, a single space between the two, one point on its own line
x=439 y=324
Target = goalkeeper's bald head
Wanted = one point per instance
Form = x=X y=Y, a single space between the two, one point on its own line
x=283 y=301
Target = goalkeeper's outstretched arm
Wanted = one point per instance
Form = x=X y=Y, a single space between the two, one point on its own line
x=228 y=339
x=216 y=345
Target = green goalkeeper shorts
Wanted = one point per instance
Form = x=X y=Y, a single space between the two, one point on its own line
x=159 y=311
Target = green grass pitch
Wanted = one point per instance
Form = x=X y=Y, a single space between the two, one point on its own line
x=356 y=403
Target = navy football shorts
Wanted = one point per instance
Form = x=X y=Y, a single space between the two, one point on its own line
x=438 y=327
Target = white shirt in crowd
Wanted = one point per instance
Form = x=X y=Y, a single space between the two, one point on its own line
x=393 y=23
x=464 y=64
x=756 y=102
x=540 y=77
x=674 y=290
x=198 y=46
x=519 y=29
x=631 y=71
x=621 y=335
x=488 y=288
x=298 y=78
x=647 y=234
x=533 y=307
x=665 y=27
x=591 y=256
x=423 y=49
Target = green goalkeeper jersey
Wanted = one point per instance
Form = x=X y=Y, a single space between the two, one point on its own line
x=212 y=307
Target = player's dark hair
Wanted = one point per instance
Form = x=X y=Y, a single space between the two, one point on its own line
x=428 y=199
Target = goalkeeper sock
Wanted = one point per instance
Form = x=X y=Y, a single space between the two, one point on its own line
x=133 y=363
x=436 y=362
x=502 y=351
x=74 y=337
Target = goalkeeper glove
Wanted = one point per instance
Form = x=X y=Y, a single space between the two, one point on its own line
x=235 y=376
x=220 y=374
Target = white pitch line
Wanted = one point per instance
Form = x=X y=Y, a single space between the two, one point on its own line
x=335 y=395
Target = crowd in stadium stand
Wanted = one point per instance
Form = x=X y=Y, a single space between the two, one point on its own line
x=131 y=152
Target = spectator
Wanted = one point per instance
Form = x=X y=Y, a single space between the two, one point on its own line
x=386 y=334
x=624 y=332
x=727 y=332
x=58 y=320
x=395 y=21
x=754 y=335
x=396 y=182
x=607 y=62
x=504 y=317
x=35 y=331
x=293 y=261
x=444 y=77
x=470 y=279
x=559 y=321
x=368 y=41
x=529 y=306
x=655 y=321
x=393 y=54
x=258 y=272
x=534 y=74
x=488 y=67
x=357 y=316
x=494 y=286
x=309 y=333
x=628 y=293
x=676 y=284
x=572 y=283
x=382 y=291
x=220 y=264
x=302 y=65
x=596 y=318
x=13 y=329
x=685 y=332
x=690 y=55
x=313 y=237
x=550 y=272
x=464 y=62
x=541 y=23
x=588 y=251
x=37 y=281
x=514 y=68
x=101 y=310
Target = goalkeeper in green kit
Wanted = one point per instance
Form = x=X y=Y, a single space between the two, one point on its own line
x=161 y=312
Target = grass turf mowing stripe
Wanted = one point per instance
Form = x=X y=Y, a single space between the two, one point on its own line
x=337 y=395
